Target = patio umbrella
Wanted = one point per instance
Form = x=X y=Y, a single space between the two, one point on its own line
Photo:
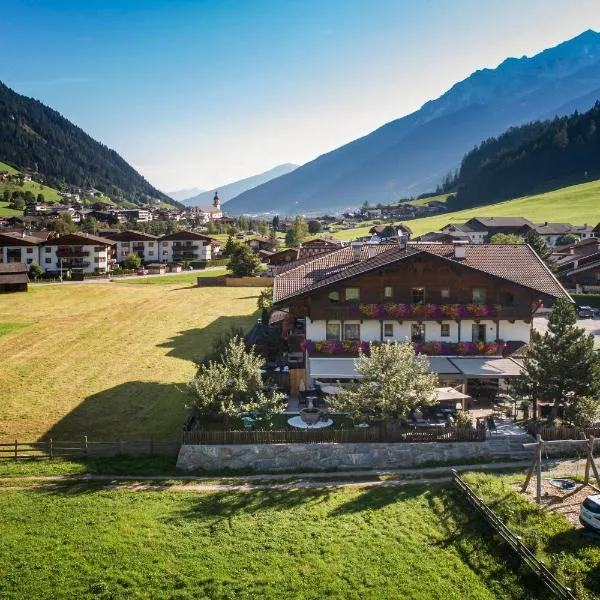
x=444 y=394
x=330 y=390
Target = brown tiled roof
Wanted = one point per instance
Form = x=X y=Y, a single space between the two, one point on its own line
x=15 y=267
x=17 y=239
x=516 y=263
x=78 y=239
x=184 y=235
x=130 y=235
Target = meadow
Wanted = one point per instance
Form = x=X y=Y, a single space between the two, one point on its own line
x=108 y=360
x=409 y=542
x=577 y=204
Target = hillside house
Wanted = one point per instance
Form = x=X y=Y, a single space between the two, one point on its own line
x=469 y=307
x=184 y=245
x=78 y=252
x=13 y=277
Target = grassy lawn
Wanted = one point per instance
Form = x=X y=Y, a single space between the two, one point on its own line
x=180 y=279
x=107 y=360
x=410 y=543
x=572 y=554
x=577 y=204
x=5 y=211
x=426 y=201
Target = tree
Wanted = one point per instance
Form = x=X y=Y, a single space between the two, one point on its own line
x=395 y=381
x=536 y=241
x=230 y=246
x=583 y=411
x=243 y=262
x=40 y=198
x=506 y=238
x=273 y=239
x=265 y=300
x=18 y=203
x=275 y=222
x=297 y=232
x=91 y=225
x=233 y=385
x=560 y=365
x=63 y=224
x=568 y=238
x=314 y=226
x=35 y=271
x=132 y=261
x=6 y=196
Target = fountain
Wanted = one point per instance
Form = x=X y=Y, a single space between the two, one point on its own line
x=310 y=415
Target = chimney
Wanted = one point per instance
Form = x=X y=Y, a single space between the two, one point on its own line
x=402 y=239
x=460 y=249
x=356 y=246
x=545 y=223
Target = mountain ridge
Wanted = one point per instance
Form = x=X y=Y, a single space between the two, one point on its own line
x=411 y=154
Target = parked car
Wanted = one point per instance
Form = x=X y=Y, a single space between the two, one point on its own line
x=142 y=271
x=240 y=236
x=589 y=514
x=585 y=312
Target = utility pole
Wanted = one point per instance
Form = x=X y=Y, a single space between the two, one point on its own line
x=60 y=262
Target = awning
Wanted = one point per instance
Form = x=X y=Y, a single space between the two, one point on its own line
x=333 y=368
x=487 y=367
x=442 y=366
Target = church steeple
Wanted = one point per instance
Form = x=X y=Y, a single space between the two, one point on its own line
x=216 y=201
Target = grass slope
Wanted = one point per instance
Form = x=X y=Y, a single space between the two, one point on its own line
x=409 y=543
x=108 y=360
x=576 y=204
x=50 y=194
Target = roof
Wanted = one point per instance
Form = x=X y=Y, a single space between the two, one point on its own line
x=78 y=239
x=13 y=273
x=552 y=228
x=488 y=222
x=13 y=267
x=439 y=236
x=184 y=235
x=259 y=238
x=516 y=263
x=18 y=239
x=207 y=208
x=129 y=235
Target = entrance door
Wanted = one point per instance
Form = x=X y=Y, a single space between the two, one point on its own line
x=478 y=333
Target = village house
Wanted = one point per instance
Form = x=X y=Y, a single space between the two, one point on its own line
x=79 y=253
x=128 y=242
x=18 y=247
x=185 y=245
x=386 y=232
x=469 y=307
x=579 y=265
x=260 y=242
x=317 y=247
x=206 y=213
x=139 y=215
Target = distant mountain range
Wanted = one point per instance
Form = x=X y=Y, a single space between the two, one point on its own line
x=37 y=139
x=412 y=154
x=230 y=190
x=181 y=195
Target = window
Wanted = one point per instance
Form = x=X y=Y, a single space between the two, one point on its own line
x=417 y=332
x=445 y=293
x=48 y=250
x=334 y=296
x=29 y=261
x=388 y=330
x=478 y=295
x=165 y=243
x=352 y=294
x=418 y=295
x=351 y=331
x=151 y=244
x=125 y=244
x=388 y=292
x=445 y=330
x=333 y=331
x=29 y=250
x=48 y=261
x=478 y=333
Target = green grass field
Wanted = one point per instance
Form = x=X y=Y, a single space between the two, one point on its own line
x=108 y=360
x=577 y=204
x=180 y=279
x=5 y=211
x=405 y=543
x=426 y=201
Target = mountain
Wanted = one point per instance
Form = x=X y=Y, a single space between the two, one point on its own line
x=181 y=195
x=528 y=159
x=37 y=139
x=230 y=190
x=412 y=154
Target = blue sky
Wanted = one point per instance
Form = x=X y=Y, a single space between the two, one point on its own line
x=204 y=92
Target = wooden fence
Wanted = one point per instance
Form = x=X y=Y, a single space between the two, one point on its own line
x=555 y=587
x=84 y=448
x=339 y=436
x=561 y=432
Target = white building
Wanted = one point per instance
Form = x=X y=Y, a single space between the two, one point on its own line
x=206 y=212
x=184 y=245
x=128 y=242
x=19 y=248
x=81 y=252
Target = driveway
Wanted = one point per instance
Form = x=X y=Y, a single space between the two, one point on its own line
x=590 y=325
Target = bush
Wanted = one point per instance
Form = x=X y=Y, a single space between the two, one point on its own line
x=133 y=261
x=243 y=262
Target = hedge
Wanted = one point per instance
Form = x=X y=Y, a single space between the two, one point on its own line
x=583 y=299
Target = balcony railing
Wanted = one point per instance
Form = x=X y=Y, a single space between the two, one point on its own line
x=74 y=264
x=69 y=253
x=352 y=348
x=434 y=311
x=185 y=247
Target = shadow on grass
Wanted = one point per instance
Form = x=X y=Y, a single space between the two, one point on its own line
x=376 y=498
x=193 y=344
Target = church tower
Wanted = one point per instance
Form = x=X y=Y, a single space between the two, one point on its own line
x=216 y=201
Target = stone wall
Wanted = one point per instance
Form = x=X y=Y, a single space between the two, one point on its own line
x=274 y=457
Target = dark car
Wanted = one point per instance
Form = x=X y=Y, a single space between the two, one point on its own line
x=585 y=312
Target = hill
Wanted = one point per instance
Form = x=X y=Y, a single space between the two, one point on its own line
x=37 y=139
x=231 y=190
x=576 y=204
x=531 y=158
x=412 y=154
x=181 y=195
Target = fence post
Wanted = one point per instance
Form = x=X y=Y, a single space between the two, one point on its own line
x=85 y=445
x=16 y=449
x=50 y=446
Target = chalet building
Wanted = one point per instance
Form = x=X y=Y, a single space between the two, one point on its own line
x=13 y=277
x=184 y=245
x=139 y=215
x=386 y=232
x=317 y=247
x=128 y=242
x=469 y=307
x=260 y=242
x=78 y=252
x=579 y=265
x=283 y=257
x=19 y=248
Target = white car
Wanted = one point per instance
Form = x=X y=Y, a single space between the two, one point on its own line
x=590 y=512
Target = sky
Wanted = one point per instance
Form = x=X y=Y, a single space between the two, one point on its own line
x=199 y=93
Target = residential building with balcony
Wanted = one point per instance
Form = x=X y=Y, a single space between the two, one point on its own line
x=80 y=252
x=469 y=307
x=184 y=245
x=128 y=242
x=19 y=248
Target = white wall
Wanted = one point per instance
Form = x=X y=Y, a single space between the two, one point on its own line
x=519 y=331
x=28 y=254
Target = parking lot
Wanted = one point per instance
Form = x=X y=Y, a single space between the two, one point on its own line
x=590 y=325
